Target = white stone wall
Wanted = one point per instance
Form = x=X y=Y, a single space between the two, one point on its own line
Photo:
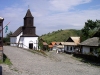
x=24 y=41
x=18 y=37
x=69 y=48
x=65 y=48
x=27 y=40
x=85 y=50
x=14 y=40
x=54 y=48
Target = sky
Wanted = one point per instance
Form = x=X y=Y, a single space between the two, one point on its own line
x=49 y=15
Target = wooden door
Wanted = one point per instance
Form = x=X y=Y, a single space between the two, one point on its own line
x=30 y=45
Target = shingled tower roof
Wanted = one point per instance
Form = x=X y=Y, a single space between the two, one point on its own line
x=28 y=14
x=28 y=29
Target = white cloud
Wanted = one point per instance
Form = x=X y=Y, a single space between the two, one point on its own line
x=47 y=20
x=65 y=5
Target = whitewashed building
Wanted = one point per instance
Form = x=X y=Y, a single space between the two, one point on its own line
x=25 y=36
x=71 y=45
x=90 y=46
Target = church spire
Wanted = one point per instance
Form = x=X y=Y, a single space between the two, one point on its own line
x=28 y=14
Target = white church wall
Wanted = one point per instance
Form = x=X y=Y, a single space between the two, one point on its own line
x=18 y=37
x=12 y=41
x=15 y=40
x=28 y=40
x=21 y=42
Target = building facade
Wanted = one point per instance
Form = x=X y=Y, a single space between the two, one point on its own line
x=25 y=36
x=71 y=45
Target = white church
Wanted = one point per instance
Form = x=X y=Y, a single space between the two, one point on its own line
x=25 y=36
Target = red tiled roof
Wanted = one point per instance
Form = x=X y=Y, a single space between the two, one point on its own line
x=50 y=46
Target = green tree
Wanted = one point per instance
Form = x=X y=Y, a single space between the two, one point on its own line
x=89 y=29
x=7 y=38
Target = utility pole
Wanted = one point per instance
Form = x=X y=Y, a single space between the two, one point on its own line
x=1 y=38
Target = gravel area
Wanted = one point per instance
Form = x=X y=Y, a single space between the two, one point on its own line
x=27 y=63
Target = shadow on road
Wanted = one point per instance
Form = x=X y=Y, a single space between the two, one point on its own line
x=0 y=70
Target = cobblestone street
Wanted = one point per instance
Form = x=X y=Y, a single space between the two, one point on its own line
x=27 y=63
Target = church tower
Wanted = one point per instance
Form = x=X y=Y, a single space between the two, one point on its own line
x=29 y=37
x=25 y=36
x=29 y=28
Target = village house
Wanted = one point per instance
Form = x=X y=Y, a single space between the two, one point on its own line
x=71 y=45
x=52 y=46
x=45 y=46
x=60 y=47
x=90 y=46
x=25 y=36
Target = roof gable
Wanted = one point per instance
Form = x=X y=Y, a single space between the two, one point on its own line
x=69 y=40
x=76 y=40
x=17 y=32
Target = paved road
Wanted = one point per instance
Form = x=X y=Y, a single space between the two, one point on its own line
x=27 y=63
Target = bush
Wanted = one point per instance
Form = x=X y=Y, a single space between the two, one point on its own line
x=98 y=50
x=87 y=58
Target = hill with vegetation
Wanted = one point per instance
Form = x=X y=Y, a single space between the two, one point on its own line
x=60 y=35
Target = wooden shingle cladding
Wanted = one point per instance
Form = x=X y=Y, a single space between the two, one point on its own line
x=90 y=46
x=76 y=40
x=95 y=41
x=28 y=14
x=29 y=30
x=26 y=34
x=17 y=32
x=71 y=45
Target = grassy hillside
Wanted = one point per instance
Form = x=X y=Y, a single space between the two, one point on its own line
x=60 y=35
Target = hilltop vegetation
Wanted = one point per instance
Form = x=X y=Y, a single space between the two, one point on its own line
x=60 y=35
